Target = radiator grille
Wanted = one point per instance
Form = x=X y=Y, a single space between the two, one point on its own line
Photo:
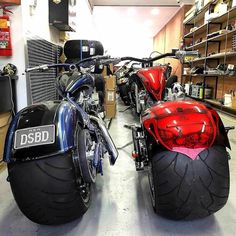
x=41 y=84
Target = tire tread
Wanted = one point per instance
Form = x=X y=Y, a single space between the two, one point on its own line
x=52 y=195
x=189 y=189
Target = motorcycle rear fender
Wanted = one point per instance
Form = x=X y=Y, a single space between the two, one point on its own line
x=185 y=126
x=62 y=114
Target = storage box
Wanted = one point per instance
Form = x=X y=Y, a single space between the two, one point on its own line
x=5 y=119
x=195 y=91
x=110 y=110
x=110 y=82
x=110 y=97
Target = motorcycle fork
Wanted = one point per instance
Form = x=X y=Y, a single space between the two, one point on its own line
x=140 y=149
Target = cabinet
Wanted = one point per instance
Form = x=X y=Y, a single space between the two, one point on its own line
x=62 y=14
x=7 y=93
x=215 y=39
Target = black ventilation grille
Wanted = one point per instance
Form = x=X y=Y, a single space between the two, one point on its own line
x=41 y=85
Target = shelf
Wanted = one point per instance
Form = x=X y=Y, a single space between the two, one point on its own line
x=197 y=45
x=202 y=75
x=221 y=37
x=216 y=56
x=230 y=54
x=195 y=98
x=224 y=17
x=222 y=53
x=199 y=59
x=220 y=19
x=213 y=39
x=199 y=14
x=199 y=30
x=217 y=38
x=232 y=13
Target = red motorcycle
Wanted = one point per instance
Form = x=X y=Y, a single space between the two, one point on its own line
x=182 y=144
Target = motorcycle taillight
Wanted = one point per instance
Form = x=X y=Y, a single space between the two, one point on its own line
x=174 y=127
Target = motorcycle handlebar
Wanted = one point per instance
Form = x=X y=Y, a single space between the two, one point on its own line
x=48 y=66
x=99 y=60
x=177 y=54
x=86 y=62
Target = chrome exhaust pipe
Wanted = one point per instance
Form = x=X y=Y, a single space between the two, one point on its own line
x=110 y=146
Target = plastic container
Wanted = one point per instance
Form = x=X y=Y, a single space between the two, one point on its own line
x=228 y=100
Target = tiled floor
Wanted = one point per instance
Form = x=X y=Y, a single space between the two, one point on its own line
x=121 y=203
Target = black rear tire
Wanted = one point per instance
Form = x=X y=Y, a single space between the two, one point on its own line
x=188 y=189
x=48 y=191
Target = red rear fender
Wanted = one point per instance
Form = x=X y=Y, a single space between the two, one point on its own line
x=184 y=126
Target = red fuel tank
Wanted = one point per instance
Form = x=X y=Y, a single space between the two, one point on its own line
x=154 y=80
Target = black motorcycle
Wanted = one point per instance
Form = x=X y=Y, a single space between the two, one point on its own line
x=55 y=149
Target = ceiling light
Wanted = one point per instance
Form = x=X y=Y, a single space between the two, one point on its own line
x=155 y=11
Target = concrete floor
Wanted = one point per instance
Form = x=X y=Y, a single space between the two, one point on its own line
x=121 y=203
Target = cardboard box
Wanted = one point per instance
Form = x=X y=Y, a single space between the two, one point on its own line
x=5 y=119
x=106 y=70
x=110 y=97
x=110 y=110
x=110 y=82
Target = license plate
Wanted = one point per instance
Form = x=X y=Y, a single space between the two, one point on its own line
x=34 y=136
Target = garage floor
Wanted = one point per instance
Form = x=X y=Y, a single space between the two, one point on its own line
x=121 y=204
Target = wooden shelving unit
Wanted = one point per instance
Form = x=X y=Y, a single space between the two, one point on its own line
x=213 y=51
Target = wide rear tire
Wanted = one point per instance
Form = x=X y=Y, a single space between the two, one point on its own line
x=188 y=189
x=48 y=191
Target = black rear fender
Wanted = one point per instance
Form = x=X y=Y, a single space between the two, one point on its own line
x=61 y=114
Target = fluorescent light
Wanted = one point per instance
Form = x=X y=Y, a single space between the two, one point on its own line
x=155 y=11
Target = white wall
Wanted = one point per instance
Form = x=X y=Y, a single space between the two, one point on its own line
x=127 y=45
x=18 y=58
x=37 y=23
x=120 y=34
x=117 y=41
x=23 y=24
x=84 y=22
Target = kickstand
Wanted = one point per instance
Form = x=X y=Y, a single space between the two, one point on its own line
x=228 y=128
x=126 y=145
x=129 y=107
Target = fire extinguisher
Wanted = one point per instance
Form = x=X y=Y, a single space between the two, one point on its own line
x=5 y=34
